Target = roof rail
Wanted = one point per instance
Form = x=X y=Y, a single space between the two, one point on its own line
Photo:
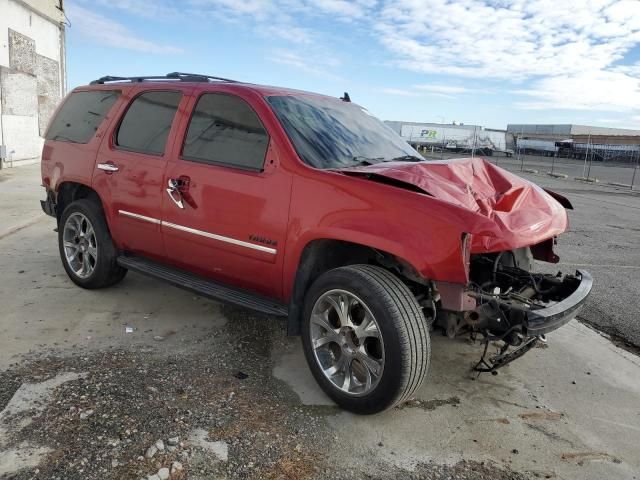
x=183 y=77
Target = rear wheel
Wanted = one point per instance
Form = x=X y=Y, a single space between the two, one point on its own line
x=365 y=338
x=86 y=249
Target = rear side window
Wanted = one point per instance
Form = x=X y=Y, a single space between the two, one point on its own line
x=147 y=123
x=81 y=115
x=225 y=130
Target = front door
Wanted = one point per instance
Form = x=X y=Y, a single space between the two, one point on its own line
x=129 y=170
x=226 y=208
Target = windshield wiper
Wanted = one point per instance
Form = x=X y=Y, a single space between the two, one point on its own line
x=406 y=158
x=360 y=161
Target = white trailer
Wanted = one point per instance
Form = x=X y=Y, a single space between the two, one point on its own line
x=454 y=137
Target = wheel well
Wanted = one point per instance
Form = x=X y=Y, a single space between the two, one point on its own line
x=69 y=192
x=322 y=255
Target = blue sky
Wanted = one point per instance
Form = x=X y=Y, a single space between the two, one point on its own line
x=489 y=62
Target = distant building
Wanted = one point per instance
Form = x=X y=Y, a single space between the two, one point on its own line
x=32 y=75
x=576 y=141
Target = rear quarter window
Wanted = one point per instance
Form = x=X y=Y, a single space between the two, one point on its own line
x=146 y=125
x=81 y=115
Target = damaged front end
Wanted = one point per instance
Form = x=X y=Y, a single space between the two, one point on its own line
x=510 y=305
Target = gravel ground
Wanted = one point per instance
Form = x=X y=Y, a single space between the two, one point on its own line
x=102 y=424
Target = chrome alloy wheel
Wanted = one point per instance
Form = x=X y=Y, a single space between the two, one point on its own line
x=80 y=246
x=347 y=342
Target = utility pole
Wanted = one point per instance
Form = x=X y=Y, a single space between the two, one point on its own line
x=473 y=147
x=519 y=148
x=584 y=168
x=635 y=169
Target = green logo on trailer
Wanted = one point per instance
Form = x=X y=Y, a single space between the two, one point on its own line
x=428 y=134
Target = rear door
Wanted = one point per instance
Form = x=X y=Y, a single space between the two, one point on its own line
x=227 y=216
x=130 y=167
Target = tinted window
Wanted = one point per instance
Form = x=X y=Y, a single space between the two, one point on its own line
x=81 y=115
x=146 y=125
x=330 y=133
x=225 y=130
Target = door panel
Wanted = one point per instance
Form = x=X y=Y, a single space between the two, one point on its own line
x=232 y=227
x=131 y=182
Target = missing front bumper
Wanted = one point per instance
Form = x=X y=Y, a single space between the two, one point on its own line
x=545 y=320
x=499 y=316
x=521 y=337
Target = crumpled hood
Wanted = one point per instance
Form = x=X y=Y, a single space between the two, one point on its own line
x=524 y=213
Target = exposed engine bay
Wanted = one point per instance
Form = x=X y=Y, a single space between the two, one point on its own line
x=510 y=300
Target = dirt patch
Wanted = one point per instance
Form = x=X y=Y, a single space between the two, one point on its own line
x=9 y=383
x=541 y=415
x=581 y=457
x=430 y=404
x=101 y=425
x=467 y=470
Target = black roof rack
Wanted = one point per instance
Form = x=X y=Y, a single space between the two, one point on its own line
x=180 y=76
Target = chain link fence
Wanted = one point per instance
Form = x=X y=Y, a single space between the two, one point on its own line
x=606 y=163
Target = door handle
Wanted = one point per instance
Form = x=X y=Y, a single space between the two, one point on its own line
x=108 y=167
x=173 y=189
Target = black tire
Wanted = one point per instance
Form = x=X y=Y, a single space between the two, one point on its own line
x=106 y=271
x=401 y=324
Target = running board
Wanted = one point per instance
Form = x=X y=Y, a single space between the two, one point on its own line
x=203 y=286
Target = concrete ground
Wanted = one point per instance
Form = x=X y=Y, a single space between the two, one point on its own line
x=83 y=396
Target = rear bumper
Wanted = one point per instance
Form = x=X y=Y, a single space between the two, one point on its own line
x=49 y=205
x=545 y=320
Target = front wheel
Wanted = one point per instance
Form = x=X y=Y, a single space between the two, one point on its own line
x=365 y=338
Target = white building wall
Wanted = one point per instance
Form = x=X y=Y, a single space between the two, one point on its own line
x=32 y=75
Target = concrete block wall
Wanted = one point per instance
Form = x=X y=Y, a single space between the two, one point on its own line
x=31 y=75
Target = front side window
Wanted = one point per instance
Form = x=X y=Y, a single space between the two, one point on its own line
x=329 y=133
x=81 y=115
x=147 y=123
x=225 y=130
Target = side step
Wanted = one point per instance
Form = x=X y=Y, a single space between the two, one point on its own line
x=203 y=286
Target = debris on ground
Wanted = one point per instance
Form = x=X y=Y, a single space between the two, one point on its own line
x=145 y=414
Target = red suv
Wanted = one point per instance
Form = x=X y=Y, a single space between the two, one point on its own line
x=305 y=206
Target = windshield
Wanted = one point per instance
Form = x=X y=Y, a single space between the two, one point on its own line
x=330 y=133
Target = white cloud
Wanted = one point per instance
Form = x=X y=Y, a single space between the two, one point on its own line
x=143 y=8
x=511 y=39
x=446 y=89
x=590 y=90
x=400 y=92
x=317 y=66
x=449 y=89
x=343 y=8
x=290 y=33
x=411 y=92
x=255 y=8
x=564 y=54
x=432 y=90
x=111 y=33
x=518 y=40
